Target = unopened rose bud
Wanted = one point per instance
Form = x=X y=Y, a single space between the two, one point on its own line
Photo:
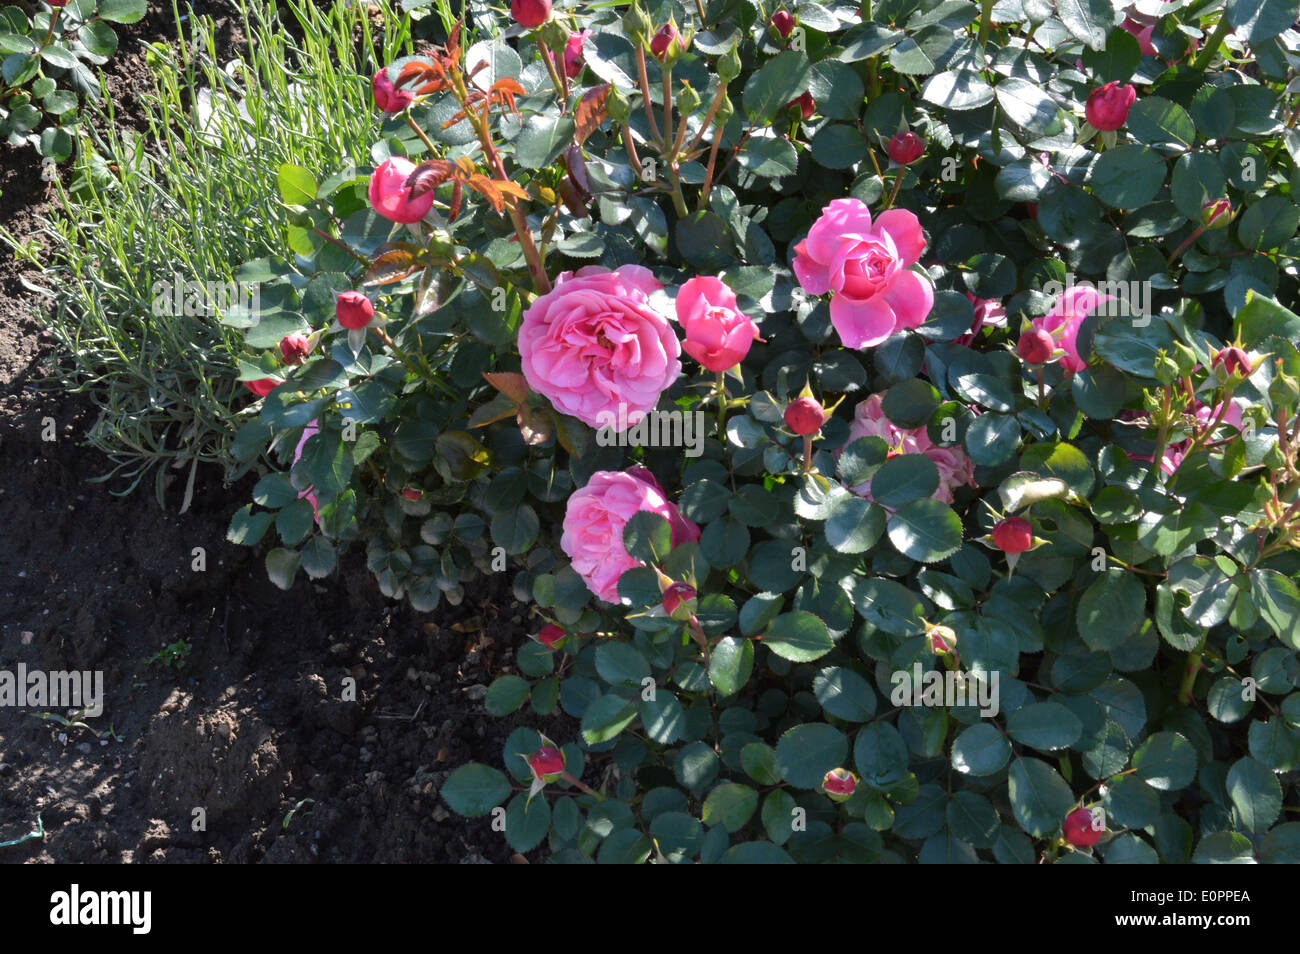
x=725 y=111
x=295 y=348
x=687 y=99
x=1284 y=390
x=783 y=23
x=1216 y=214
x=941 y=640
x=1107 y=106
x=636 y=23
x=1166 y=370
x=840 y=784
x=729 y=65
x=388 y=98
x=804 y=415
x=1233 y=360
x=805 y=104
x=262 y=386
x=547 y=763
x=678 y=600
x=905 y=148
x=354 y=310
x=1013 y=535
x=530 y=13
x=1035 y=346
x=551 y=636
x=667 y=42
x=1079 y=831
x=412 y=494
x=616 y=106
x=1185 y=358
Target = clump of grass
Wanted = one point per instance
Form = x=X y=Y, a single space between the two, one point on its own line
x=187 y=199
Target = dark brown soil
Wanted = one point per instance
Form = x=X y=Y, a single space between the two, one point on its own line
x=255 y=722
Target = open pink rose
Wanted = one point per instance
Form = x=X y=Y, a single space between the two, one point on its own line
x=309 y=492
x=573 y=53
x=594 y=519
x=955 y=468
x=718 y=334
x=1072 y=306
x=988 y=311
x=593 y=344
x=867 y=268
x=389 y=195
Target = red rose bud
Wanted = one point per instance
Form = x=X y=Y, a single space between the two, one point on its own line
x=804 y=416
x=551 y=636
x=1107 y=107
x=807 y=105
x=354 y=310
x=547 y=762
x=840 y=784
x=1216 y=213
x=1036 y=346
x=1013 y=535
x=530 y=13
x=666 y=41
x=941 y=640
x=388 y=98
x=905 y=148
x=262 y=387
x=1233 y=360
x=295 y=348
x=783 y=23
x=1079 y=831
x=57 y=3
x=677 y=599
x=411 y=494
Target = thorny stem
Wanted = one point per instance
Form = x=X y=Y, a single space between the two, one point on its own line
x=428 y=143
x=583 y=787
x=708 y=175
x=643 y=77
x=708 y=120
x=1197 y=233
x=54 y=19
x=351 y=251
x=558 y=77
x=807 y=453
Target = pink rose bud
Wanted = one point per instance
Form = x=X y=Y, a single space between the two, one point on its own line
x=411 y=494
x=389 y=195
x=783 y=23
x=1079 y=831
x=354 y=310
x=1233 y=360
x=295 y=348
x=1216 y=213
x=388 y=98
x=676 y=600
x=718 y=333
x=573 y=53
x=261 y=387
x=1036 y=346
x=941 y=640
x=530 y=13
x=804 y=416
x=1013 y=535
x=840 y=784
x=551 y=636
x=547 y=762
x=807 y=105
x=906 y=147
x=1107 y=107
x=57 y=3
x=666 y=41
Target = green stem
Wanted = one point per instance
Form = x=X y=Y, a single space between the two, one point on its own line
x=722 y=407
x=583 y=787
x=1189 y=675
x=1212 y=44
x=986 y=21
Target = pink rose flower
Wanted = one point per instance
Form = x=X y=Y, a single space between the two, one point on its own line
x=389 y=195
x=308 y=492
x=1107 y=106
x=388 y=98
x=718 y=334
x=867 y=268
x=988 y=311
x=955 y=468
x=594 y=519
x=1143 y=34
x=1066 y=317
x=1204 y=414
x=573 y=53
x=594 y=346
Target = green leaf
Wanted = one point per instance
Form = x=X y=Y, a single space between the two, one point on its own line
x=527 y=822
x=1087 y=20
x=730 y=665
x=122 y=11
x=799 y=637
x=784 y=77
x=1268 y=223
x=957 y=89
x=475 y=789
x=1156 y=121
x=1046 y=726
x=807 y=752
x=247 y=528
x=1040 y=798
x=1026 y=103
x=282 y=566
x=1111 y=609
x=663 y=718
x=606 y=717
x=319 y=557
x=1256 y=794
x=844 y=694
x=620 y=664
x=903 y=479
x=1127 y=176
x=1224 y=848
x=542 y=139
x=1263 y=317
x=1166 y=761
x=1278 y=601
x=980 y=750
x=880 y=755
x=297 y=186
x=648 y=537
x=854 y=525
x=1259 y=20
x=925 y=530
x=730 y=805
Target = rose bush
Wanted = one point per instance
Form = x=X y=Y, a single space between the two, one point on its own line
x=963 y=618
